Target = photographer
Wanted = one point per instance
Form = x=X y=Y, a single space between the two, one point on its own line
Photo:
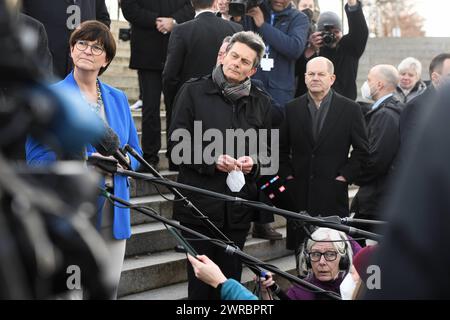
x=284 y=30
x=344 y=51
x=311 y=9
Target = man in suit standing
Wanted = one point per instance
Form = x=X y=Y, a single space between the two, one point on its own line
x=193 y=48
x=226 y=101
x=315 y=140
x=152 y=22
x=60 y=18
x=382 y=122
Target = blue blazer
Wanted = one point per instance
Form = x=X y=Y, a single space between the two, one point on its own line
x=120 y=120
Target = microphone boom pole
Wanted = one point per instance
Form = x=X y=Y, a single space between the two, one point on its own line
x=212 y=227
x=354 y=232
x=246 y=259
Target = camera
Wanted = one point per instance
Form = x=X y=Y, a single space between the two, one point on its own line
x=125 y=34
x=328 y=36
x=238 y=8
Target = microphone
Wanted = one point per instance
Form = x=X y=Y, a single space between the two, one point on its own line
x=109 y=144
x=275 y=289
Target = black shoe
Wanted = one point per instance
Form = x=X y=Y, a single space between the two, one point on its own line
x=179 y=248
x=265 y=231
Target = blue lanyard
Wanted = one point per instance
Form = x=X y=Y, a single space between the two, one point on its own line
x=272 y=22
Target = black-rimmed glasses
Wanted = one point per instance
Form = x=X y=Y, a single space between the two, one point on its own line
x=328 y=255
x=95 y=48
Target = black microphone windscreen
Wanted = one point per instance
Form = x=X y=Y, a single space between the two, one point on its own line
x=108 y=144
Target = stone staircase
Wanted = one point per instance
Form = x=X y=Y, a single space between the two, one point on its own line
x=152 y=269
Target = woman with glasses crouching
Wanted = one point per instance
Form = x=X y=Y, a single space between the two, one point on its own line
x=92 y=48
x=325 y=260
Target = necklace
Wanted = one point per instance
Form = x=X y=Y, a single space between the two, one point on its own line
x=98 y=105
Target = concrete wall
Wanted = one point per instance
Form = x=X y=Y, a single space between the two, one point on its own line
x=394 y=50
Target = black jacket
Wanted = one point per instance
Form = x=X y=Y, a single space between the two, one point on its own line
x=192 y=51
x=201 y=100
x=42 y=56
x=413 y=257
x=384 y=142
x=53 y=15
x=346 y=55
x=412 y=115
x=148 y=45
x=315 y=166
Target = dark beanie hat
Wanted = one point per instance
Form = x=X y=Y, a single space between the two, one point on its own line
x=329 y=18
x=363 y=259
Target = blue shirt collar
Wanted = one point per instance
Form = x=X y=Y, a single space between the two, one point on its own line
x=381 y=100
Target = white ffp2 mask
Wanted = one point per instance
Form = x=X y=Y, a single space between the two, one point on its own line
x=235 y=180
x=365 y=91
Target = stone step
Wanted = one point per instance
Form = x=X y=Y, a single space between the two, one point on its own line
x=149 y=238
x=121 y=61
x=131 y=92
x=123 y=50
x=140 y=188
x=163 y=139
x=121 y=81
x=152 y=236
x=137 y=118
x=160 y=269
x=119 y=70
x=179 y=291
x=156 y=202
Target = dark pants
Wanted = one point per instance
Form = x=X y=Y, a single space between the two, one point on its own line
x=231 y=266
x=150 y=82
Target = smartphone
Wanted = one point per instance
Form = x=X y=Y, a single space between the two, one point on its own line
x=182 y=241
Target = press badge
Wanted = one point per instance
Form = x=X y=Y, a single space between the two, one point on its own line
x=266 y=64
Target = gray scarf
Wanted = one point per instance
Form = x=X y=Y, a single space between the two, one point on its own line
x=232 y=92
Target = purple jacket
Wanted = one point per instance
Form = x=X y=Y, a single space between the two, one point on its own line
x=297 y=292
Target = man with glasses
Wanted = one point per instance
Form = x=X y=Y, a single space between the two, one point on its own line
x=315 y=140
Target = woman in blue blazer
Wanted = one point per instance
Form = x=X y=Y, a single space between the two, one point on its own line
x=92 y=48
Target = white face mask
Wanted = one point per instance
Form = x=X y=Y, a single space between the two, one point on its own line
x=235 y=180
x=365 y=91
x=347 y=287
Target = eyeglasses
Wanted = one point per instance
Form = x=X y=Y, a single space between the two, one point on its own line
x=95 y=48
x=328 y=255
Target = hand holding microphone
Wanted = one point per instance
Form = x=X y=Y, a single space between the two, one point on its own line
x=269 y=284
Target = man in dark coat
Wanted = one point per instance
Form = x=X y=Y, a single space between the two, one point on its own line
x=39 y=57
x=315 y=140
x=384 y=141
x=59 y=18
x=193 y=48
x=413 y=260
x=344 y=50
x=151 y=24
x=226 y=100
